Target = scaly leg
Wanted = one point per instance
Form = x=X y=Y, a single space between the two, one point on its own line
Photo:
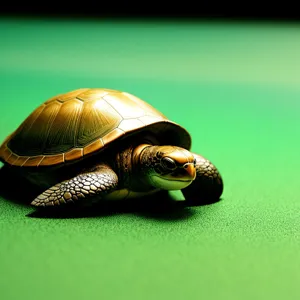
x=83 y=188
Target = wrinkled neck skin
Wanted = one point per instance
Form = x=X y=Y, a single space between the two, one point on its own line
x=131 y=165
x=143 y=156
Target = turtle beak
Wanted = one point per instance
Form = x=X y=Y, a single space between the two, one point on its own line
x=190 y=171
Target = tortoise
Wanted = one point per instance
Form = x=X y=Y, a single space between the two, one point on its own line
x=90 y=144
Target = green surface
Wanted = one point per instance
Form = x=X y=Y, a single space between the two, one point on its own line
x=236 y=88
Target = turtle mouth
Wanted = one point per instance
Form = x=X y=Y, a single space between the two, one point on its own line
x=178 y=180
x=169 y=183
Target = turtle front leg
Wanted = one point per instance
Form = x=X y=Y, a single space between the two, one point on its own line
x=83 y=188
x=208 y=184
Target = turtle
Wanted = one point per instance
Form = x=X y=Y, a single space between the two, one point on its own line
x=94 y=144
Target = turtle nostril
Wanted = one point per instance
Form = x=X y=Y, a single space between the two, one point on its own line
x=189 y=171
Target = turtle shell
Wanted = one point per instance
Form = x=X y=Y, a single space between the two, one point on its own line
x=79 y=123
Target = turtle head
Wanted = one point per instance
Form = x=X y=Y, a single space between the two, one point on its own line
x=168 y=167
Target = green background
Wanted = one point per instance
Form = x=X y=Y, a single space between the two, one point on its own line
x=236 y=88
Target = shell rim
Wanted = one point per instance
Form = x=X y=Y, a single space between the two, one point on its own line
x=181 y=138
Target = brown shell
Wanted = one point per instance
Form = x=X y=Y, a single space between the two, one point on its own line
x=70 y=126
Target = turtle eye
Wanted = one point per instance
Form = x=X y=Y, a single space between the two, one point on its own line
x=169 y=163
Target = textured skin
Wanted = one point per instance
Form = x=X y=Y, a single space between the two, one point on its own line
x=208 y=185
x=83 y=187
x=70 y=126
